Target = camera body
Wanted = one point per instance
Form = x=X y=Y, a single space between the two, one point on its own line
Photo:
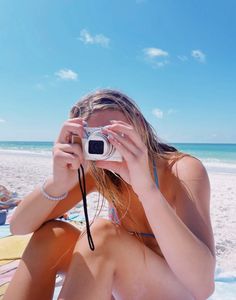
x=96 y=146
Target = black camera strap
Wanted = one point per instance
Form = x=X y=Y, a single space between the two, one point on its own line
x=83 y=192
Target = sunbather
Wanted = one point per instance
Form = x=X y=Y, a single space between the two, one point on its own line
x=158 y=243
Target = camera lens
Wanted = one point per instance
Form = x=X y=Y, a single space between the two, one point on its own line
x=95 y=147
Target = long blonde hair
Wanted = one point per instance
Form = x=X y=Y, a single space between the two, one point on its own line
x=110 y=184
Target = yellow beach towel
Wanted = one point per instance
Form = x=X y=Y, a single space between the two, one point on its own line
x=11 y=250
x=12 y=247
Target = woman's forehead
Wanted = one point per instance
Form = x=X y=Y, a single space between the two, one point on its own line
x=102 y=118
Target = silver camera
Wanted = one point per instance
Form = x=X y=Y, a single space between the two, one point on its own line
x=96 y=146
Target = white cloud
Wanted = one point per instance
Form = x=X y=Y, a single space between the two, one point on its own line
x=199 y=55
x=155 y=52
x=2 y=121
x=99 y=39
x=66 y=74
x=156 y=57
x=158 y=113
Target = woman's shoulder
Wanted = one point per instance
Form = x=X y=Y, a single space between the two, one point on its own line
x=185 y=172
x=186 y=164
x=170 y=167
x=173 y=171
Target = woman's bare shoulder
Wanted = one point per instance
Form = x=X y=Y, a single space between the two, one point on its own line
x=187 y=167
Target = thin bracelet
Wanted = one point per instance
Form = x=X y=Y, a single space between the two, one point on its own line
x=46 y=195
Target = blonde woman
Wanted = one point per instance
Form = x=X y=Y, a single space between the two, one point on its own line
x=158 y=243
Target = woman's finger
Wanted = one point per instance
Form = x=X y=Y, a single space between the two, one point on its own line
x=76 y=120
x=121 y=127
x=71 y=148
x=124 y=140
x=63 y=159
x=68 y=129
x=122 y=149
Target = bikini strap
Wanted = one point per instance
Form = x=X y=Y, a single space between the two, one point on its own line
x=155 y=172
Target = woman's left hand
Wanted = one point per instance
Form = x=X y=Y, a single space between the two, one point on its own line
x=134 y=168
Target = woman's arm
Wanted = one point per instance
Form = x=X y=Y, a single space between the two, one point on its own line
x=185 y=237
x=35 y=209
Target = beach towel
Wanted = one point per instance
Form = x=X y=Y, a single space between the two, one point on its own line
x=11 y=249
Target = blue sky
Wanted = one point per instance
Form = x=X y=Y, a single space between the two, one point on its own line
x=176 y=59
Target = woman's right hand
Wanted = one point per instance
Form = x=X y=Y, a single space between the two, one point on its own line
x=67 y=157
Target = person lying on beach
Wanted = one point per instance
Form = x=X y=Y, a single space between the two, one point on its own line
x=158 y=242
x=8 y=199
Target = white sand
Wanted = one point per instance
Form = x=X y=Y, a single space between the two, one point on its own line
x=21 y=173
x=223 y=217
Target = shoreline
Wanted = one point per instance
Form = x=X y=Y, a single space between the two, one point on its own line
x=212 y=165
x=21 y=173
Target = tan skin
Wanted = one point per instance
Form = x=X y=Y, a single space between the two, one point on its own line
x=117 y=266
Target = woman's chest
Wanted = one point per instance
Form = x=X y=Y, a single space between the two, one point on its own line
x=134 y=219
x=132 y=216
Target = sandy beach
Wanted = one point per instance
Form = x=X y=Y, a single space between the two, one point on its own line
x=22 y=172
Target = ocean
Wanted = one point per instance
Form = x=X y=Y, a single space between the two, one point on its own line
x=216 y=157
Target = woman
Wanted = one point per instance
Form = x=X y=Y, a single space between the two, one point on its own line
x=159 y=242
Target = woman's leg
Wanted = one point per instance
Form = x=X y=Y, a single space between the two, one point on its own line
x=48 y=252
x=90 y=275
x=118 y=266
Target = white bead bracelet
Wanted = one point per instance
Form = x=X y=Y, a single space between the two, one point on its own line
x=47 y=196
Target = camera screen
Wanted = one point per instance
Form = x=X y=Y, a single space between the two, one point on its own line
x=96 y=147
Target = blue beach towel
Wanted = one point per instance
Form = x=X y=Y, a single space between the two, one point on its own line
x=225 y=285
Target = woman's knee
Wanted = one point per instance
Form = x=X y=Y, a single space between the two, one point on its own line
x=53 y=243
x=104 y=233
x=56 y=230
x=55 y=233
x=104 y=227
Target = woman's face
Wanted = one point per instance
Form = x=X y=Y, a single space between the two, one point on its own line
x=102 y=118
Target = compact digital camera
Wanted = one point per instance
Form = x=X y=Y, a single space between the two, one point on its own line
x=96 y=146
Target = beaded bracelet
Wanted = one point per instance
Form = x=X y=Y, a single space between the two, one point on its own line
x=47 y=196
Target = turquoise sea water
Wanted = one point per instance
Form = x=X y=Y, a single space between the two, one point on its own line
x=223 y=152
x=25 y=147
x=214 y=156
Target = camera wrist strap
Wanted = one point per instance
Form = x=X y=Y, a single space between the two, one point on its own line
x=83 y=192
